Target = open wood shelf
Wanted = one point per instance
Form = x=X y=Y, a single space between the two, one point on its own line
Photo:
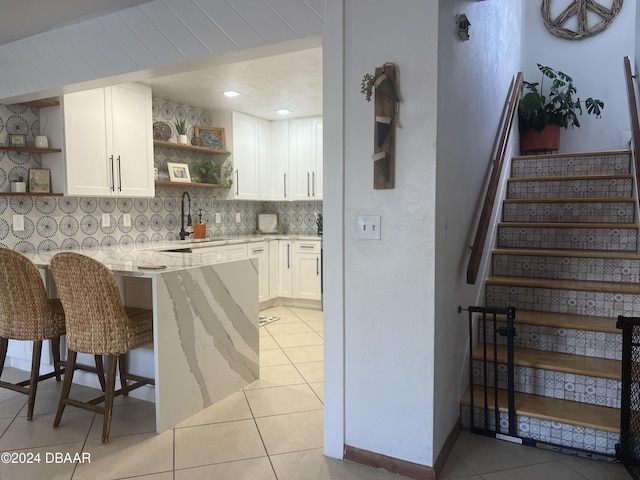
x=29 y=194
x=42 y=103
x=190 y=148
x=167 y=183
x=31 y=149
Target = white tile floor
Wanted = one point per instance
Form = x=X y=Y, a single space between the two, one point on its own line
x=270 y=430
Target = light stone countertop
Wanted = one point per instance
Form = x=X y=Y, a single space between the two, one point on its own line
x=142 y=261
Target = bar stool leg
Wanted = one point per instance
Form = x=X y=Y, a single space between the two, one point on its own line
x=4 y=344
x=66 y=386
x=112 y=361
x=122 y=362
x=35 y=373
x=100 y=371
x=55 y=350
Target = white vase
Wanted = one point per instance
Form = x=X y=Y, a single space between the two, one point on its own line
x=18 y=187
x=182 y=139
x=42 y=141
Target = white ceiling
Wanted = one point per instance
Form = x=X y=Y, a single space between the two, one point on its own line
x=24 y=18
x=289 y=80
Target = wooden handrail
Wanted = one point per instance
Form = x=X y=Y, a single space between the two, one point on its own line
x=492 y=189
x=633 y=117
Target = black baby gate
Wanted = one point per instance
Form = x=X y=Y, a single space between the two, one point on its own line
x=628 y=449
x=487 y=399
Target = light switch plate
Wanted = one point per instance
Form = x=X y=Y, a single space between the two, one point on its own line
x=106 y=220
x=238 y=218
x=218 y=218
x=126 y=219
x=18 y=223
x=369 y=227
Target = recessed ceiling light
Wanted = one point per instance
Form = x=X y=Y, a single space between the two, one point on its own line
x=231 y=94
x=283 y=111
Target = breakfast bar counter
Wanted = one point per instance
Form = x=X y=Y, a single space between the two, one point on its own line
x=205 y=323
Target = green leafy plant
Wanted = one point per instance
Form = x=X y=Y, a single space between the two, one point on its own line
x=181 y=126
x=366 y=87
x=210 y=171
x=538 y=108
x=20 y=178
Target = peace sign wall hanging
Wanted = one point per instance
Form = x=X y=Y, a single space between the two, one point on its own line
x=584 y=10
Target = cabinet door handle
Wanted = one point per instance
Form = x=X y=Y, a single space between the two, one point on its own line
x=317 y=266
x=257 y=250
x=306 y=247
x=313 y=184
x=308 y=189
x=113 y=180
x=237 y=182
x=119 y=175
x=288 y=264
x=285 y=185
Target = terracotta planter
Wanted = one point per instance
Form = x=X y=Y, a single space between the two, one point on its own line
x=548 y=140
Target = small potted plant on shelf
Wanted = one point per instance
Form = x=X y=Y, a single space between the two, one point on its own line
x=18 y=185
x=542 y=112
x=220 y=174
x=181 y=130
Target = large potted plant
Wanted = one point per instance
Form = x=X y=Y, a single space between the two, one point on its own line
x=542 y=112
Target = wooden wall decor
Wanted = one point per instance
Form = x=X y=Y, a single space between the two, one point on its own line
x=386 y=97
x=586 y=12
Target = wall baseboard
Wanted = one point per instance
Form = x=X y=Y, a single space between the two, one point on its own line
x=403 y=467
x=390 y=464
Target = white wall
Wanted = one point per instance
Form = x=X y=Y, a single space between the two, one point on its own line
x=475 y=77
x=595 y=64
x=389 y=284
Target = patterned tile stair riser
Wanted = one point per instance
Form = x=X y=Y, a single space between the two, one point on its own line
x=567 y=259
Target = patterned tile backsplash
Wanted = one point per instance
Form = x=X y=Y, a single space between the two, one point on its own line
x=74 y=222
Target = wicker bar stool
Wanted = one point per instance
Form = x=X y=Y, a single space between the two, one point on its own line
x=27 y=314
x=98 y=324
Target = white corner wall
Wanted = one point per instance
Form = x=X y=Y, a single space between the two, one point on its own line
x=595 y=64
x=389 y=284
x=474 y=80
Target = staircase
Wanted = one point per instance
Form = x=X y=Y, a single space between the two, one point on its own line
x=567 y=260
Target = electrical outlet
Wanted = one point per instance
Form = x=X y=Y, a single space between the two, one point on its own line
x=218 y=218
x=18 y=223
x=238 y=218
x=126 y=219
x=369 y=227
x=106 y=220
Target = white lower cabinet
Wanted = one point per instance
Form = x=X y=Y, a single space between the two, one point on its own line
x=261 y=251
x=307 y=270
x=288 y=269
x=285 y=268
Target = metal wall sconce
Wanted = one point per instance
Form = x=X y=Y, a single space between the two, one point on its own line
x=463 y=24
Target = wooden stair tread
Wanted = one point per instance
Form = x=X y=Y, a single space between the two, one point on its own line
x=573 y=155
x=567 y=253
x=552 y=409
x=565 y=320
x=571 y=200
x=556 y=361
x=566 y=225
x=571 y=177
x=557 y=284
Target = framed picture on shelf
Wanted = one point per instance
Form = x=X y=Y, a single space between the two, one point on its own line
x=39 y=180
x=17 y=140
x=179 y=172
x=211 y=137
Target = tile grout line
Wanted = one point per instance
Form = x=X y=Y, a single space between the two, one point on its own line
x=255 y=422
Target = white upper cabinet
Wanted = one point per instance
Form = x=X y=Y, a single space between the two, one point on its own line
x=275 y=169
x=305 y=158
x=243 y=134
x=107 y=142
